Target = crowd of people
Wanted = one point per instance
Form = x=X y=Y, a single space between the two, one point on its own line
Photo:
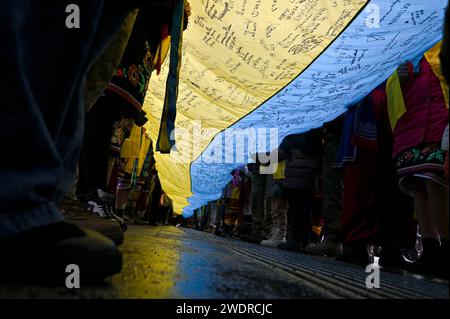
x=117 y=175
x=371 y=183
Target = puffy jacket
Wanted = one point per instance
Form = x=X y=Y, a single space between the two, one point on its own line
x=300 y=171
x=302 y=162
x=426 y=113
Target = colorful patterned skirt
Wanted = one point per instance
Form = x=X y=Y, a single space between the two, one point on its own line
x=425 y=162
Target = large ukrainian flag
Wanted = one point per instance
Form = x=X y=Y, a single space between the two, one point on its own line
x=285 y=65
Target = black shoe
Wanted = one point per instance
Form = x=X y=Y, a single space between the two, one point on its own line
x=102 y=204
x=390 y=257
x=98 y=207
x=218 y=231
x=226 y=230
x=251 y=239
x=254 y=238
x=355 y=253
x=431 y=261
x=311 y=239
x=292 y=245
x=329 y=246
x=41 y=255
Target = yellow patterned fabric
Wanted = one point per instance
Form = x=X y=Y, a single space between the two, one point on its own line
x=135 y=147
x=396 y=104
x=434 y=60
x=236 y=55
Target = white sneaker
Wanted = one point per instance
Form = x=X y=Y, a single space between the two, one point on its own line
x=97 y=209
x=107 y=202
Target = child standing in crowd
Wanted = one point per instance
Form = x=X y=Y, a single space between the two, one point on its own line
x=418 y=106
x=301 y=152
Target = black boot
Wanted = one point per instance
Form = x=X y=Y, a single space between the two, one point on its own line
x=355 y=253
x=429 y=262
x=390 y=256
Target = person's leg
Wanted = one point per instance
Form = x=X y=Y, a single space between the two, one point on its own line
x=213 y=217
x=219 y=218
x=268 y=221
x=148 y=209
x=421 y=207
x=438 y=207
x=359 y=218
x=279 y=210
x=155 y=209
x=333 y=188
x=166 y=216
x=275 y=218
x=282 y=208
x=398 y=227
x=359 y=222
x=141 y=205
x=42 y=115
x=306 y=217
x=42 y=110
x=257 y=207
x=429 y=260
x=96 y=148
x=294 y=227
x=122 y=193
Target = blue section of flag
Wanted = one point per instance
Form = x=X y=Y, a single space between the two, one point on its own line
x=359 y=60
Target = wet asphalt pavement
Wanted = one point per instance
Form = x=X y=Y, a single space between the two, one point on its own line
x=168 y=262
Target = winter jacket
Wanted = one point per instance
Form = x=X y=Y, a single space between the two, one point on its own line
x=300 y=172
x=303 y=151
x=426 y=113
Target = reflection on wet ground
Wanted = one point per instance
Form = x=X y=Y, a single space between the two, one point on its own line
x=167 y=262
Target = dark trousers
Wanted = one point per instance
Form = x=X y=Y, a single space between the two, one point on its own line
x=374 y=209
x=333 y=187
x=299 y=214
x=153 y=214
x=96 y=148
x=260 y=205
x=44 y=65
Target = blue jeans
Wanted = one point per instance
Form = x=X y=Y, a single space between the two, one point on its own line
x=43 y=66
